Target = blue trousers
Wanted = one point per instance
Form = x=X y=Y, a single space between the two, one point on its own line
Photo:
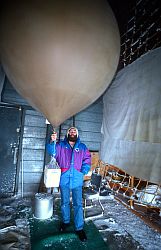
x=77 y=206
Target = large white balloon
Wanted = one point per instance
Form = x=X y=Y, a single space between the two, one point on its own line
x=60 y=55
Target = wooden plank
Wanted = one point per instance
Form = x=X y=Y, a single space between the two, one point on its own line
x=88 y=116
x=92 y=146
x=33 y=154
x=33 y=166
x=33 y=143
x=36 y=121
x=31 y=178
x=96 y=107
x=34 y=112
x=89 y=136
x=35 y=132
x=29 y=190
x=88 y=126
x=68 y=123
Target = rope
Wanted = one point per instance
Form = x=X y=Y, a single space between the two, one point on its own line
x=135 y=190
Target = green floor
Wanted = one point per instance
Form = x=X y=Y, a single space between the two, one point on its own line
x=45 y=235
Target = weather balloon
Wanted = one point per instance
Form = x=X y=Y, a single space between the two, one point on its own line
x=59 y=55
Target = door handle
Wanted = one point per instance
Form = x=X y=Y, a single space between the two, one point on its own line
x=15 y=155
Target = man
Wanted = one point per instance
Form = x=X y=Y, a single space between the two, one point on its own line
x=74 y=160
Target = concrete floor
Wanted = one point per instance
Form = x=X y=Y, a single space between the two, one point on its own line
x=119 y=227
x=122 y=229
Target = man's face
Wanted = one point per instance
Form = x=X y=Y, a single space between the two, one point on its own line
x=72 y=136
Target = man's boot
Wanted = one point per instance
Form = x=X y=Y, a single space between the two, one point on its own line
x=82 y=235
x=64 y=226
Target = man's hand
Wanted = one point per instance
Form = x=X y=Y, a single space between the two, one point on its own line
x=53 y=136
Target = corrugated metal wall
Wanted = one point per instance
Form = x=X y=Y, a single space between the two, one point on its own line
x=36 y=133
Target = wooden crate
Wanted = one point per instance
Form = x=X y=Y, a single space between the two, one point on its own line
x=94 y=164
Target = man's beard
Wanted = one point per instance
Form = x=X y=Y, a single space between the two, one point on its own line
x=72 y=138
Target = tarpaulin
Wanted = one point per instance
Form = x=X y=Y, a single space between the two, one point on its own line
x=131 y=125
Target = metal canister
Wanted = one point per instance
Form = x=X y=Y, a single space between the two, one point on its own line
x=43 y=206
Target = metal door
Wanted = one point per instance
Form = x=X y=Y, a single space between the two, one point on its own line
x=10 y=122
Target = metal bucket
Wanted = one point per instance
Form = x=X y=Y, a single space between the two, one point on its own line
x=43 y=206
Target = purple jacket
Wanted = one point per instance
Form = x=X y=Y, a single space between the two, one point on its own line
x=74 y=162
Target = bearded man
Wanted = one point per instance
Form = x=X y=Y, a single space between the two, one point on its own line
x=74 y=160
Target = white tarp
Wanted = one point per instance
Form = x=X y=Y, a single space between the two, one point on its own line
x=132 y=119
